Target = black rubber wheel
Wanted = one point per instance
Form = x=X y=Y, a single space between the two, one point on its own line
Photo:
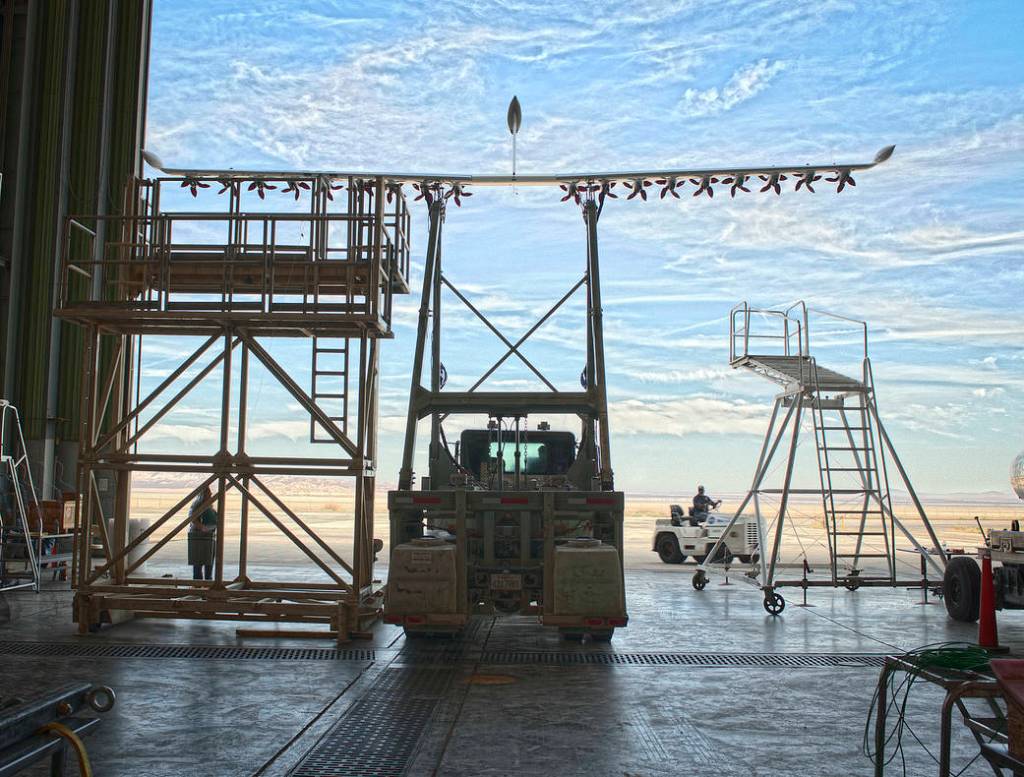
x=961 y=589
x=605 y=635
x=699 y=580
x=668 y=549
x=744 y=558
x=851 y=584
x=774 y=604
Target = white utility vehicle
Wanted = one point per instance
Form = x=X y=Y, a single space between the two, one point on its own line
x=693 y=535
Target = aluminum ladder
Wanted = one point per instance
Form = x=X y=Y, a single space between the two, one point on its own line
x=14 y=465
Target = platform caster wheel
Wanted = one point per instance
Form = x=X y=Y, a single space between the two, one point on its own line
x=605 y=635
x=774 y=604
x=699 y=580
x=851 y=585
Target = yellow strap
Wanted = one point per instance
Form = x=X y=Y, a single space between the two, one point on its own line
x=84 y=769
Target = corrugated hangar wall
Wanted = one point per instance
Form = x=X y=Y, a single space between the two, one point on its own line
x=72 y=115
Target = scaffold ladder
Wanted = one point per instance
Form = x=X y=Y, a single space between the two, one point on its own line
x=330 y=384
x=14 y=464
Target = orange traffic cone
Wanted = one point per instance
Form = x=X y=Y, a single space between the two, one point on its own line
x=988 y=636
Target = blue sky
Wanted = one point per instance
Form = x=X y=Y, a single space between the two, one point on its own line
x=927 y=247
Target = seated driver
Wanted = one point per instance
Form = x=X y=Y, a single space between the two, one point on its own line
x=703 y=504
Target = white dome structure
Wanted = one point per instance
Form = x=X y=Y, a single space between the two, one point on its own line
x=1017 y=475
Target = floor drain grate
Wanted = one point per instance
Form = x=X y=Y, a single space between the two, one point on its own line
x=223 y=652
x=789 y=660
x=379 y=734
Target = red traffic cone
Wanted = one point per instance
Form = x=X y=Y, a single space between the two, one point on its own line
x=988 y=636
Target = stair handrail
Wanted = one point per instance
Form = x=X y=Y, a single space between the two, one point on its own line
x=862 y=325
x=791 y=327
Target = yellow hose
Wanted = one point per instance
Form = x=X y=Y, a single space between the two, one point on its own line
x=84 y=769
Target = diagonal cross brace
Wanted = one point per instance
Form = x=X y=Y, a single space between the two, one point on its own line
x=511 y=348
x=514 y=347
x=301 y=396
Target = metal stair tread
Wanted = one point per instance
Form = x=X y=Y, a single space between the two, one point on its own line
x=790 y=370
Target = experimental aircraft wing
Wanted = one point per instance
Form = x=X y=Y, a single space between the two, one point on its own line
x=575 y=185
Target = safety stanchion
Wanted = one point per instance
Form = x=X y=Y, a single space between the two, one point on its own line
x=805 y=585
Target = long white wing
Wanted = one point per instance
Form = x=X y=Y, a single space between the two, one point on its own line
x=703 y=178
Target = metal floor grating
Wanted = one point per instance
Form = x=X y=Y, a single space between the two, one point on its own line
x=380 y=733
x=223 y=652
x=788 y=660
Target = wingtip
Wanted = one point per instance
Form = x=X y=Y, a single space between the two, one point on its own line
x=884 y=154
x=152 y=160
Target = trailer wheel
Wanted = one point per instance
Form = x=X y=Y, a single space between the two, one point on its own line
x=668 y=549
x=571 y=636
x=699 y=580
x=961 y=589
x=774 y=603
x=605 y=635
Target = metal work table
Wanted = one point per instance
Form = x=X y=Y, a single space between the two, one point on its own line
x=959 y=685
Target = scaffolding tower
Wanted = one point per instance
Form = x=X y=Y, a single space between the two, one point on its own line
x=255 y=260
x=853 y=451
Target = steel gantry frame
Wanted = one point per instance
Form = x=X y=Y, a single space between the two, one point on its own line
x=591 y=404
x=153 y=278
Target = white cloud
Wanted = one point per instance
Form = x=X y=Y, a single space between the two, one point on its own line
x=744 y=84
x=683 y=416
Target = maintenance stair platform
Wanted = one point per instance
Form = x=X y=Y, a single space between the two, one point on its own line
x=853 y=452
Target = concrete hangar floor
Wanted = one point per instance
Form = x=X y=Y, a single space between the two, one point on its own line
x=699 y=683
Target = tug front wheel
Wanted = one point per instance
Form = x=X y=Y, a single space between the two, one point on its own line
x=699 y=580
x=774 y=604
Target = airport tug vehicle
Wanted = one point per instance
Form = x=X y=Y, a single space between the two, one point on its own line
x=689 y=535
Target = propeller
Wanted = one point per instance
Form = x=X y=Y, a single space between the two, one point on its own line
x=737 y=183
x=603 y=190
x=194 y=185
x=669 y=186
x=807 y=179
x=844 y=178
x=773 y=182
x=572 y=191
x=260 y=187
x=637 y=187
x=330 y=186
x=425 y=189
x=456 y=192
x=704 y=185
x=296 y=188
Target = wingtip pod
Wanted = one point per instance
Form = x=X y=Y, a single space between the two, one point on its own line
x=152 y=160
x=515 y=115
x=884 y=154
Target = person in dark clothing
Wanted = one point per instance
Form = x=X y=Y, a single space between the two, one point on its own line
x=702 y=503
x=202 y=536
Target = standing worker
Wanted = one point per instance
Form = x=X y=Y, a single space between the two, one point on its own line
x=202 y=536
x=702 y=503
